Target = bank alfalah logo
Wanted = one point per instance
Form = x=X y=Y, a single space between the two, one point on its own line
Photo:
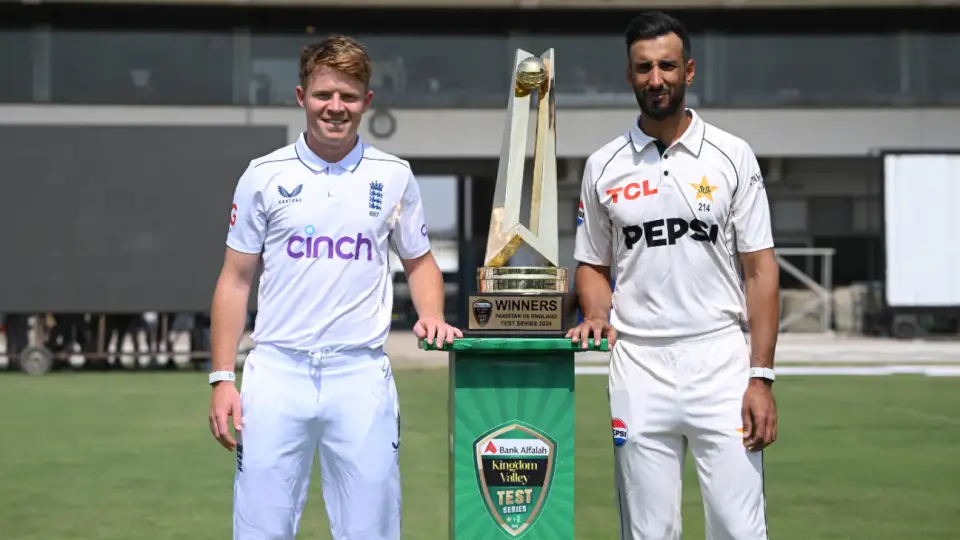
x=289 y=196
x=376 y=198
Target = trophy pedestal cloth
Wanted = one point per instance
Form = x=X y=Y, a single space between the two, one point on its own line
x=512 y=438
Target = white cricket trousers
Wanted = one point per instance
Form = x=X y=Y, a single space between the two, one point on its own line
x=666 y=395
x=295 y=406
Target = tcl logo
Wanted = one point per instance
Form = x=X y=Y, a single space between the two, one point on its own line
x=233 y=215
x=631 y=191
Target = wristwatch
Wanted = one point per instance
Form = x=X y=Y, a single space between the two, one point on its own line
x=220 y=376
x=762 y=373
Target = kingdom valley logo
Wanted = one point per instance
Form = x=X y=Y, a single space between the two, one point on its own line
x=515 y=464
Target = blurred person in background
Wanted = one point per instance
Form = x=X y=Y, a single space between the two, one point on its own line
x=17 y=330
x=322 y=213
x=679 y=206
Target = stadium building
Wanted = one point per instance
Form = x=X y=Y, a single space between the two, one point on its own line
x=124 y=127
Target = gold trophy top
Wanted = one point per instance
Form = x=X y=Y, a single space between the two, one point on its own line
x=508 y=230
x=531 y=74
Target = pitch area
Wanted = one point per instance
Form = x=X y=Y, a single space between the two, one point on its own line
x=93 y=456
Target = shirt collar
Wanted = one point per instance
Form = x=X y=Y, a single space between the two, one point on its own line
x=349 y=163
x=692 y=138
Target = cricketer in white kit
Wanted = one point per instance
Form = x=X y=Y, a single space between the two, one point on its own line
x=322 y=214
x=678 y=207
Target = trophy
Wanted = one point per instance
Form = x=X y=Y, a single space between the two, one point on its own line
x=511 y=399
x=524 y=300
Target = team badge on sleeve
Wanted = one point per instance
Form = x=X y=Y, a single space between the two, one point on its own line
x=580 y=214
x=619 y=432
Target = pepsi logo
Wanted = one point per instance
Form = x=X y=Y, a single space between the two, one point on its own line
x=619 y=432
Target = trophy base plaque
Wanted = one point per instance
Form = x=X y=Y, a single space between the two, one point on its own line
x=518 y=302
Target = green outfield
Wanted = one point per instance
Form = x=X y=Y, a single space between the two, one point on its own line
x=128 y=456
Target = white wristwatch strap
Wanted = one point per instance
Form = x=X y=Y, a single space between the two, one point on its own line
x=762 y=373
x=218 y=376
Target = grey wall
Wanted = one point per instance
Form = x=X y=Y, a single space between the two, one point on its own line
x=118 y=218
x=477 y=133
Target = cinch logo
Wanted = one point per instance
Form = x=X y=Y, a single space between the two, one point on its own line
x=631 y=191
x=324 y=247
x=619 y=432
x=661 y=232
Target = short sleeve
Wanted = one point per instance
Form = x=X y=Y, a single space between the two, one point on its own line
x=409 y=236
x=594 y=240
x=248 y=217
x=751 y=210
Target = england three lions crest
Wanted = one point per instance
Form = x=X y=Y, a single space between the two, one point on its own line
x=376 y=198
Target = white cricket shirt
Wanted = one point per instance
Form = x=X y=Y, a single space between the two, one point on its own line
x=324 y=231
x=673 y=226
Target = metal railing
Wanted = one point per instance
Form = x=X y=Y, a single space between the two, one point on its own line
x=823 y=301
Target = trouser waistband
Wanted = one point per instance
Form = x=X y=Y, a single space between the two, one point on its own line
x=681 y=340
x=325 y=358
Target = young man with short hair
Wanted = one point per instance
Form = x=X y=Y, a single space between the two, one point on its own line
x=679 y=206
x=322 y=214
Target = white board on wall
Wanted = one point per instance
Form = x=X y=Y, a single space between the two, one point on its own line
x=921 y=203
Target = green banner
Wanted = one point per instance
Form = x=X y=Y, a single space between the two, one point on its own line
x=512 y=427
x=511 y=437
